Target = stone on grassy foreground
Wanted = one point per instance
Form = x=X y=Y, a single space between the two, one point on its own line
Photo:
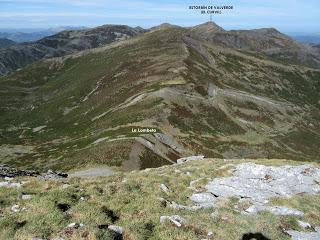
x=259 y=183
x=295 y=235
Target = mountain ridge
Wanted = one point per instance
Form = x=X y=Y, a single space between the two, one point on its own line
x=267 y=41
x=62 y=43
x=202 y=97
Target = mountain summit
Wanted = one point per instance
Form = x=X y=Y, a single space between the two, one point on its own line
x=208 y=27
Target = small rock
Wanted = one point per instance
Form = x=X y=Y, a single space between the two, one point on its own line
x=191 y=158
x=124 y=180
x=16 y=208
x=26 y=196
x=64 y=186
x=8 y=179
x=164 y=188
x=304 y=224
x=203 y=198
x=74 y=225
x=58 y=238
x=175 y=219
x=163 y=202
x=215 y=214
x=184 y=207
x=116 y=229
x=227 y=219
x=53 y=175
x=37 y=129
x=10 y=184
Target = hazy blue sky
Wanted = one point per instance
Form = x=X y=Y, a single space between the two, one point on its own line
x=285 y=15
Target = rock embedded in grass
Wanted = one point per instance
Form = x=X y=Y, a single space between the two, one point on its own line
x=10 y=184
x=75 y=225
x=259 y=183
x=26 y=196
x=201 y=198
x=296 y=235
x=116 y=229
x=304 y=224
x=16 y=208
x=276 y=210
x=51 y=175
x=164 y=188
x=188 y=159
x=175 y=219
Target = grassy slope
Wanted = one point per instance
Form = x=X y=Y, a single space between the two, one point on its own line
x=122 y=71
x=134 y=205
x=174 y=75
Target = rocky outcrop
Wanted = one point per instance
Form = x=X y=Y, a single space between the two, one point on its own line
x=53 y=175
x=258 y=183
x=6 y=171
x=296 y=235
x=9 y=172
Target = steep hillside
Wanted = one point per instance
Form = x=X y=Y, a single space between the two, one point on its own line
x=63 y=43
x=200 y=96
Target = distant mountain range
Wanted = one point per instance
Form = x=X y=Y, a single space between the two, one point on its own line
x=267 y=41
x=31 y=35
x=307 y=38
x=82 y=97
x=62 y=43
x=5 y=43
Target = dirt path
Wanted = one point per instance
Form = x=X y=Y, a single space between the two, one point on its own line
x=93 y=172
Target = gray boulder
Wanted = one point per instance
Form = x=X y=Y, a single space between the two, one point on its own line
x=296 y=235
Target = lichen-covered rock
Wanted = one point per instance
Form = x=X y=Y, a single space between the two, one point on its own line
x=259 y=183
x=276 y=210
x=296 y=235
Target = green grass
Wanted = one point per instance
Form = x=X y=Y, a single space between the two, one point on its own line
x=134 y=205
